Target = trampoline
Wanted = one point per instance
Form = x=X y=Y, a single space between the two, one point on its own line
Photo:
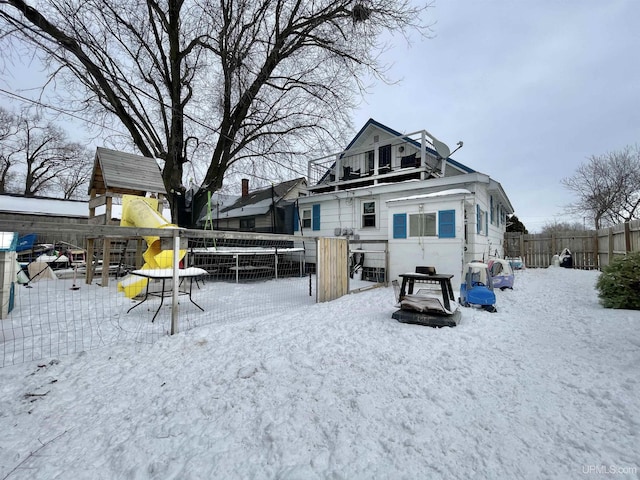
x=237 y=261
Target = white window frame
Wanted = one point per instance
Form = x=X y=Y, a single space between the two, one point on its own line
x=305 y=219
x=483 y=222
x=412 y=233
x=373 y=215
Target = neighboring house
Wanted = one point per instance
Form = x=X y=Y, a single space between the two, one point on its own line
x=43 y=209
x=53 y=210
x=391 y=186
x=207 y=207
x=268 y=210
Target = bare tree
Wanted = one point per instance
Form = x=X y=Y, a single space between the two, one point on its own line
x=559 y=227
x=628 y=207
x=38 y=158
x=607 y=187
x=73 y=181
x=236 y=80
x=8 y=128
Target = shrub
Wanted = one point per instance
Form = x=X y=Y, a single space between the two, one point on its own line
x=619 y=283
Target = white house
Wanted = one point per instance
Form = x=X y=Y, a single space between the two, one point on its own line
x=396 y=187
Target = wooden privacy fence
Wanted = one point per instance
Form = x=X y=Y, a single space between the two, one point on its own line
x=591 y=249
x=332 y=268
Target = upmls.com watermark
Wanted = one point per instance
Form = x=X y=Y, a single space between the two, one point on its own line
x=609 y=470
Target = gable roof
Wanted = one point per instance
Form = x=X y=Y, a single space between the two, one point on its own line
x=259 y=202
x=125 y=173
x=375 y=123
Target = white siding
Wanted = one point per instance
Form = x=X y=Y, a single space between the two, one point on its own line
x=483 y=246
x=342 y=211
x=445 y=254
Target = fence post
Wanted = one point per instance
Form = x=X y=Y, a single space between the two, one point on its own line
x=627 y=237
x=521 y=246
x=386 y=265
x=176 y=280
x=596 y=246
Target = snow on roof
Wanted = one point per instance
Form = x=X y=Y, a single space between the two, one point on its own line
x=452 y=191
x=43 y=206
x=258 y=208
x=58 y=207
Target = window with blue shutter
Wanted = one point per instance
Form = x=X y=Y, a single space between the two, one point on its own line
x=399 y=225
x=315 y=215
x=486 y=223
x=478 y=218
x=447 y=224
x=296 y=219
x=493 y=216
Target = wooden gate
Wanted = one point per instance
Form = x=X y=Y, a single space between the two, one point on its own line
x=332 y=269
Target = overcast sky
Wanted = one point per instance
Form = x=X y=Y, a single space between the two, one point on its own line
x=532 y=88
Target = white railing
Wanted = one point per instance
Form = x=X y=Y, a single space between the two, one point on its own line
x=390 y=157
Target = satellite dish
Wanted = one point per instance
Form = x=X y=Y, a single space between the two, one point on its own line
x=441 y=148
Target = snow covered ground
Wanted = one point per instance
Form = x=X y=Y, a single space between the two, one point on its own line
x=548 y=387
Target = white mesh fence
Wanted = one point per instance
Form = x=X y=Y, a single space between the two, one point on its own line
x=228 y=277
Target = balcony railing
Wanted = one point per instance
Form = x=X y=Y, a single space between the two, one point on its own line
x=390 y=160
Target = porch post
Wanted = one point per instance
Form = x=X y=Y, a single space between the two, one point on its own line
x=423 y=154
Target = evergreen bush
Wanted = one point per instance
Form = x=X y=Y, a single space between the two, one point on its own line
x=619 y=283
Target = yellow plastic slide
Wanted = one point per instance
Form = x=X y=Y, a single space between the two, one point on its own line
x=142 y=212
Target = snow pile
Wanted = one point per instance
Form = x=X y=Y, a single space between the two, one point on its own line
x=548 y=387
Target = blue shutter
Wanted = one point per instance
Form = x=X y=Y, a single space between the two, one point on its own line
x=447 y=224
x=315 y=215
x=486 y=223
x=478 y=227
x=296 y=219
x=399 y=225
x=493 y=218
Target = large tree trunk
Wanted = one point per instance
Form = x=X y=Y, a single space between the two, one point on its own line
x=264 y=81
